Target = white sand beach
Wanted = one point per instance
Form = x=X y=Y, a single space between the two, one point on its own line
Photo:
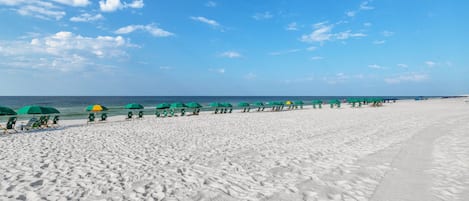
x=409 y=150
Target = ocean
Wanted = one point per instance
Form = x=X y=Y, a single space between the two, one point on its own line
x=73 y=107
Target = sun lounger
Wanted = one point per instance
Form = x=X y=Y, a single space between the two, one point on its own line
x=55 y=120
x=33 y=123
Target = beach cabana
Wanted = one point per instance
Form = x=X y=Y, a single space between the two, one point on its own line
x=194 y=106
x=162 y=109
x=178 y=106
x=260 y=105
x=334 y=102
x=246 y=106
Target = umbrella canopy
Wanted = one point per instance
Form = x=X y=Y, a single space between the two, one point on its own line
x=335 y=101
x=216 y=104
x=96 y=108
x=133 y=106
x=163 y=106
x=177 y=105
x=226 y=105
x=258 y=104
x=275 y=103
x=193 y=105
x=316 y=101
x=299 y=103
x=288 y=102
x=6 y=111
x=243 y=104
x=35 y=109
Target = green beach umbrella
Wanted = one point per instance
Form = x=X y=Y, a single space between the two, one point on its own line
x=299 y=103
x=193 y=105
x=226 y=105
x=177 y=105
x=133 y=106
x=243 y=104
x=258 y=104
x=96 y=108
x=216 y=104
x=35 y=109
x=6 y=111
x=163 y=106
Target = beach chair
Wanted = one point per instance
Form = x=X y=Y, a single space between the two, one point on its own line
x=103 y=117
x=10 y=125
x=140 y=114
x=55 y=120
x=91 y=118
x=33 y=123
x=129 y=115
x=334 y=103
x=44 y=120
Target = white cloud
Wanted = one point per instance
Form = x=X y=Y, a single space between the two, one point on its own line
x=262 y=16
x=64 y=51
x=211 y=4
x=410 y=77
x=348 y=34
x=231 y=54
x=379 y=42
x=113 y=5
x=166 y=67
x=351 y=13
x=311 y=48
x=86 y=17
x=402 y=65
x=336 y=79
x=430 y=63
x=250 y=76
x=78 y=3
x=205 y=20
x=365 y=6
x=323 y=32
x=41 y=10
x=367 y=24
x=284 y=52
x=387 y=33
x=375 y=66
x=317 y=58
x=152 y=29
x=217 y=70
x=292 y=27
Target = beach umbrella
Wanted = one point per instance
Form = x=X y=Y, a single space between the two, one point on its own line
x=299 y=103
x=133 y=106
x=177 y=105
x=288 y=102
x=216 y=104
x=258 y=104
x=226 y=105
x=35 y=109
x=96 y=108
x=163 y=106
x=243 y=104
x=6 y=111
x=193 y=105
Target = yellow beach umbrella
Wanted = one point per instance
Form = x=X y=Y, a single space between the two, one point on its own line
x=96 y=108
x=288 y=103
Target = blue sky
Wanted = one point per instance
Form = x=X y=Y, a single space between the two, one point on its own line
x=245 y=47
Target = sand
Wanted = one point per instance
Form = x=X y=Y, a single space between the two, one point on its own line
x=410 y=150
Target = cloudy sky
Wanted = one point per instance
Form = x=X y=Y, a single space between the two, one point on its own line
x=243 y=47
